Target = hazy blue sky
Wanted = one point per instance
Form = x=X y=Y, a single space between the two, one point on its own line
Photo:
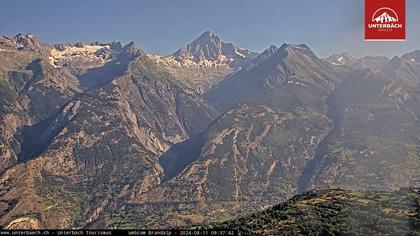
x=163 y=26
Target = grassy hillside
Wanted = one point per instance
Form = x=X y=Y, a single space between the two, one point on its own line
x=335 y=212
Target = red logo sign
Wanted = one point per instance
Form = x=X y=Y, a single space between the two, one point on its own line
x=385 y=19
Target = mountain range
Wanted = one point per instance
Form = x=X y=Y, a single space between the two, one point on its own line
x=107 y=136
x=368 y=62
x=204 y=62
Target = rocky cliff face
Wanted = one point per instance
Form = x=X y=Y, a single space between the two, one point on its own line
x=32 y=90
x=293 y=66
x=80 y=141
x=296 y=123
x=107 y=136
x=204 y=62
x=375 y=135
x=210 y=47
x=256 y=152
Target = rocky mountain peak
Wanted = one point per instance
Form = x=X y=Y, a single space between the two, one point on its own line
x=343 y=58
x=206 y=46
x=88 y=115
x=209 y=39
x=272 y=48
x=133 y=49
x=405 y=68
x=6 y=42
x=346 y=59
x=32 y=43
x=302 y=49
x=275 y=55
x=209 y=46
x=208 y=35
x=117 y=46
x=268 y=52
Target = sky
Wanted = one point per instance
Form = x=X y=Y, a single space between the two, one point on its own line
x=163 y=26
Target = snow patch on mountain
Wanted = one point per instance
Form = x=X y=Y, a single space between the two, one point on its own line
x=85 y=53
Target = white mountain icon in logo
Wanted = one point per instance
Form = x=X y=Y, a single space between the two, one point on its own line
x=385 y=17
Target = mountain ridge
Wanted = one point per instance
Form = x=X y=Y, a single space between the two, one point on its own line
x=119 y=116
x=367 y=62
x=126 y=139
x=210 y=47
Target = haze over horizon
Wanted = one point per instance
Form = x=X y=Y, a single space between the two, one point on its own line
x=161 y=27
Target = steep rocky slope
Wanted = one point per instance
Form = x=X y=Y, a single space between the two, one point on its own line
x=376 y=116
x=254 y=154
x=31 y=90
x=260 y=147
x=210 y=47
x=294 y=66
x=98 y=141
x=292 y=122
x=368 y=62
x=205 y=61
x=375 y=136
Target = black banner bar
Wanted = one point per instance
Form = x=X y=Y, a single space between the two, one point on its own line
x=122 y=232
